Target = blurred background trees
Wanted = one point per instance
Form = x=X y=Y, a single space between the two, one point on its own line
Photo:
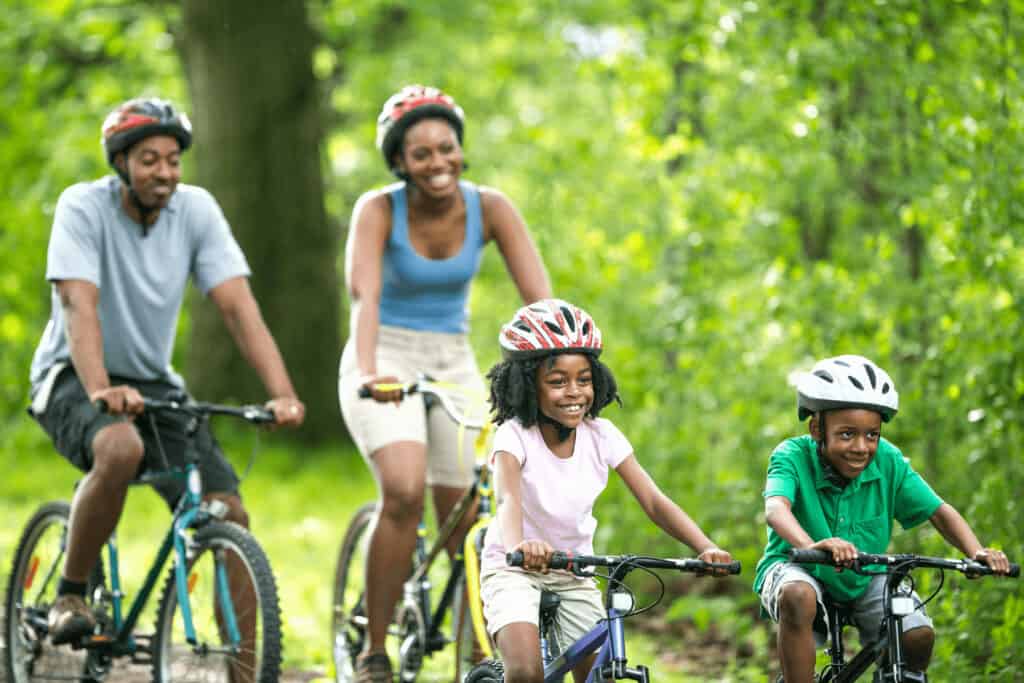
x=733 y=189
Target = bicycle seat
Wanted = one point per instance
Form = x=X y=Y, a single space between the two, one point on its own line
x=549 y=603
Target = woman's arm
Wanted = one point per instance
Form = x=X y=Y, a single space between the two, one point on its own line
x=504 y=224
x=510 y=514
x=665 y=513
x=364 y=253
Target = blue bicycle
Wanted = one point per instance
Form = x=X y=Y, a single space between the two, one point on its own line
x=608 y=637
x=217 y=620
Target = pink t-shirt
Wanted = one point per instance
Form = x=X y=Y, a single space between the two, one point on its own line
x=557 y=494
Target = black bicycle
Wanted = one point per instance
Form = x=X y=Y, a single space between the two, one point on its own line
x=217 y=620
x=421 y=626
x=884 y=653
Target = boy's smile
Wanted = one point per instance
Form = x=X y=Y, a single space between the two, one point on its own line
x=851 y=439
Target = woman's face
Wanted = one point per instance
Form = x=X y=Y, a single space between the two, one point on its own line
x=565 y=388
x=431 y=157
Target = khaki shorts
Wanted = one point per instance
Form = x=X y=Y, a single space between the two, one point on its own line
x=512 y=596
x=867 y=609
x=404 y=354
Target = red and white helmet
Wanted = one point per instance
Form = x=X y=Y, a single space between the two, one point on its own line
x=846 y=382
x=409 y=105
x=140 y=118
x=550 y=326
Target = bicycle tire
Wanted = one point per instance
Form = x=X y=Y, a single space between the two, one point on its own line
x=37 y=567
x=467 y=623
x=254 y=593
x=348 y=616
x=487 y=671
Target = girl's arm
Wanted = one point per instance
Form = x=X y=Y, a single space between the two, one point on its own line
x=504 y=224
x=957 y=532
x=666 y=514
x=536 y=553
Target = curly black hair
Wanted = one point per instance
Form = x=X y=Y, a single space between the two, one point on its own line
x=514 y=388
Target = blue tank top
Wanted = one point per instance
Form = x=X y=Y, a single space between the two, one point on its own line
x=426 y=294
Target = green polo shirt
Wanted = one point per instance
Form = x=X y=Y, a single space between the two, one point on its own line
x=862 y=513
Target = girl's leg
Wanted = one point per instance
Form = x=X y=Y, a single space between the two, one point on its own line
x=400 y=470
x=519 y=645
x=582 y=670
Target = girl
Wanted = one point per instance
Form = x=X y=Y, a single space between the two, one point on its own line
x=551 y=455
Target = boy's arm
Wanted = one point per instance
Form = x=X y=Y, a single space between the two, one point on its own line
x=536 y=553
x=779 y=515
x=666 y=514
x=957 y=532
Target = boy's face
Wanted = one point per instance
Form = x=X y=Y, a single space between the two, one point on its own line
x=565 y=388
x=851 y=439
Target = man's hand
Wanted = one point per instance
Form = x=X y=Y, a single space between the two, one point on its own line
x=288 y=411
x=120 y=400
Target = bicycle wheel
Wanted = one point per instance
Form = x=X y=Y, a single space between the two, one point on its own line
x=348 y=620
x=221 y=553
x=472 y=644
x=491 y=671
x=31 y=589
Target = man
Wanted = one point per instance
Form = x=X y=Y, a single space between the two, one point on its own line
x=121 y=252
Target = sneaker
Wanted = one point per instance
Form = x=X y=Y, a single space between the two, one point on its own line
x=374 y=667
x=70 y=619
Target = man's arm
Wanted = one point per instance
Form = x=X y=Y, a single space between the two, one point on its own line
x=241 y=313
x=79 y=300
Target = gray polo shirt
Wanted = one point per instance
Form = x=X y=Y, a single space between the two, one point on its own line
x=141 y=280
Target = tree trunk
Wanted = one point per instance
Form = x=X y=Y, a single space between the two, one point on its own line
x=258 y=133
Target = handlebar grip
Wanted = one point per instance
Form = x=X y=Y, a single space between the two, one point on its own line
x=364 y=392
x=1014 y=570
x=101 y=405
x=810 y=556
x=733 y=567
x=514 y=558
x=559 y=559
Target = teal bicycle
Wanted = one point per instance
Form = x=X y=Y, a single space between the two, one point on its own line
x=218 y=617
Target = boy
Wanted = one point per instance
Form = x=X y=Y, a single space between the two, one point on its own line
x=839 y=490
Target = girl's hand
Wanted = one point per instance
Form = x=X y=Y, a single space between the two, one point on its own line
x=536 y=555
x=843 y=552
x=718 y=556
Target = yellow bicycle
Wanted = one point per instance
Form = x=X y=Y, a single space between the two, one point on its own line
x=420 y=627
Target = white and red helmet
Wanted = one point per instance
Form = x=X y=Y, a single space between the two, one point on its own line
x=409 y=105
x=846 y=382
x=550 y=326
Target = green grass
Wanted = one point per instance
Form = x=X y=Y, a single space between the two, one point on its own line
x=299 y=502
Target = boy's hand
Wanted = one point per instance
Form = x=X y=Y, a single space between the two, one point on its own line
x=843 y=552
x=995 y=559
x=536 y=555
x=718 y=556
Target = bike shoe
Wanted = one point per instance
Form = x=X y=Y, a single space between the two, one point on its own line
x=69 y=619
x=373 y=667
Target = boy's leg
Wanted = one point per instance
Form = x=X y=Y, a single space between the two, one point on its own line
x=918 y=635
x=792 y=597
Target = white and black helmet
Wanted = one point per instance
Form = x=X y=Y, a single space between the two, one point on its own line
x=846 y=382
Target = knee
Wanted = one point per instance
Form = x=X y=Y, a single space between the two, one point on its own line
x=117 y=453
x=236 y=512
x=401 y=504
x=518 y=671
x=798 y=604
x=917 y=644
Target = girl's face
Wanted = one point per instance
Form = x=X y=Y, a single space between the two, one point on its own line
x=565 y=388
x=851 y=439
x=432 y=157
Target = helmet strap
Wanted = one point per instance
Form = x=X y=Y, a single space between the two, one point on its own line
x=561 y=430
x=144 y=211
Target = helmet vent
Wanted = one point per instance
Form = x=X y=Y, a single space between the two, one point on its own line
x=553 y=327
x=520 y=325
x=871 y=375
x=824 y=375
x=855 y=382
x=568 y=319
x=885 y=388
x=586 y=328
x=840 y=361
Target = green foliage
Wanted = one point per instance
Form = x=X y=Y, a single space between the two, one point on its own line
x=732 y=189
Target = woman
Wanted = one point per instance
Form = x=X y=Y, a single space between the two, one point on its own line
x=413 y=249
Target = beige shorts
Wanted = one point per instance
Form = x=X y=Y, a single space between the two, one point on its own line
x=511 y=596
x=406 y=353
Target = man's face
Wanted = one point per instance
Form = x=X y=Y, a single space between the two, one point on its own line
x=154 y=165
x=851 y=439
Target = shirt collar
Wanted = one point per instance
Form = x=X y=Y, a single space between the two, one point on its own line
x=870 y=473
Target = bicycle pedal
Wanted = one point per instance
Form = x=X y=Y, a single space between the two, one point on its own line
x=95 y=641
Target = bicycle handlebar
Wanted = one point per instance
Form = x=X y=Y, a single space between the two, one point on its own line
x=425 y=385
x=250 y=413
x=575 y=563
x=964 y=566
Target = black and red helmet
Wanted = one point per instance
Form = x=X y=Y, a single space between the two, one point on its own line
x=409 y=105
x=550 y=326
x=141 y=118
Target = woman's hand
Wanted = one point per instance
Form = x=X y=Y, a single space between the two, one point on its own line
x=536 y=555
x=374 y=384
